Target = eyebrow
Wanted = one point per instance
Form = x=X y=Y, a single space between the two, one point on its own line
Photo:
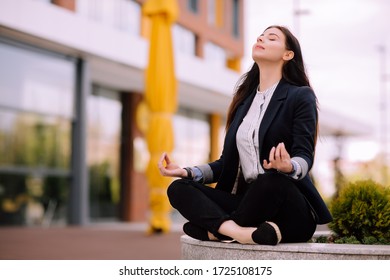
x=270 y=34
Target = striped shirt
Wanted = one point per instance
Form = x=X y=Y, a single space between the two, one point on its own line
x=247 y=137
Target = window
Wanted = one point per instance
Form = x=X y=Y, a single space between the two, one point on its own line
x=103 y=155
x=214 y=54
x=216 y=12
x=121 y=14
x=130 y=16
x=183 y=40
x=192 y=137
x=211 y=12
x=36 y=114
x=236 y=18
x=193 y=5
x=35 y=82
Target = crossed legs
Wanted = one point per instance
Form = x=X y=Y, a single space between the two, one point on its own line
x=271 y=209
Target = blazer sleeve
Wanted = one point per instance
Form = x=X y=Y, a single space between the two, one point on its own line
x=211 y=171
x=304 y=126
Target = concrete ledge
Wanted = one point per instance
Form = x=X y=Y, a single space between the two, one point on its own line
x=192 y=249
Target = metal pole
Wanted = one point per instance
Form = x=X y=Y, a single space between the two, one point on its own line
x=297 y=13
x=78 y=212
x=296 y=18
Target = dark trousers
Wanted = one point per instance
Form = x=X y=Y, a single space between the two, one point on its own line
x=271 y=197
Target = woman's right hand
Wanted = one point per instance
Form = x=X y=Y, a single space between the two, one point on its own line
x=169 y=168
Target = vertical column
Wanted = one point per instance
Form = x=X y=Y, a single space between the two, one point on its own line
x=219 y=13
x=215 y=124
x=78 y=196
x=134 y=187
x=126 y=166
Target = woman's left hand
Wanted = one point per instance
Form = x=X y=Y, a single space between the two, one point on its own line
x=279 y=159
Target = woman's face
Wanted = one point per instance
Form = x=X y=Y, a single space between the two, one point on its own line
x=271 y=47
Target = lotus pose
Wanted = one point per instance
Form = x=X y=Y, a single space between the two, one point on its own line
x=264 y=194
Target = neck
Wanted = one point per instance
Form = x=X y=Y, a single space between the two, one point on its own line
x=269 y=76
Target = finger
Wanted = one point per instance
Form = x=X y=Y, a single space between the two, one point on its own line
x=278 y=151
x=167 y=159
x=161 y=160
x=283 y=152
x=272 y=155
x=267 y=165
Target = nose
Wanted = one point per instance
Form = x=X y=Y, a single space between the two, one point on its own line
x=260 y=39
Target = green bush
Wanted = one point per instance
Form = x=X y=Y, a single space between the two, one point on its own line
x=361 y=214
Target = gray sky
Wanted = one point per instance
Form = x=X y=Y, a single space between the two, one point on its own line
x=340 y=41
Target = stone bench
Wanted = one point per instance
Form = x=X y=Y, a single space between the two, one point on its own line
x=192 y=249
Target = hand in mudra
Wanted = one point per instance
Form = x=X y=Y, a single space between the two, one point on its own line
x=170 y=169
x=279 y=159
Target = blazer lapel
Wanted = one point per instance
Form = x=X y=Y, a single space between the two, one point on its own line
x=276 y=101
x=230 y=145
x=241 y=112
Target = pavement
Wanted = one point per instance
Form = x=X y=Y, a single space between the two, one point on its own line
x=113 y=241
x=101 y=241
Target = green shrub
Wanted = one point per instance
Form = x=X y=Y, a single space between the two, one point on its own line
x=361 y=214
x=347 y=240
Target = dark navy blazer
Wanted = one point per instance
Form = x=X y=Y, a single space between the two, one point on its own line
x=291 y=118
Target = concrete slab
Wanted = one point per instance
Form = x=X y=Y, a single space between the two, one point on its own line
x=192 y=249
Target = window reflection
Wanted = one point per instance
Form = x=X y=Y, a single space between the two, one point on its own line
x=36 y=111
x=104 y=128
x=35 y=82
x=192 y=138
x=192 y=143
x=28 y=139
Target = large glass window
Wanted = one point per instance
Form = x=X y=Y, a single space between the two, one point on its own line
x=104 y=134
x=192 y=138
x=28 y=84
x=36 y=112
x=192 y=142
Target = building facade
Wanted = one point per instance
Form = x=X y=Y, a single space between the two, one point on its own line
x=71 y=79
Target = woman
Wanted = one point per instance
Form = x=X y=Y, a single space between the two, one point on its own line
x=264 y=193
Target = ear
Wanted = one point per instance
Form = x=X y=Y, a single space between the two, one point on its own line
x=288 y=55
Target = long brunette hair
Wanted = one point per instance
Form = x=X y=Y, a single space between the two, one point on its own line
x=293 y=71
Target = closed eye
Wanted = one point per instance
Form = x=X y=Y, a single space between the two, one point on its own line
x=273 y=36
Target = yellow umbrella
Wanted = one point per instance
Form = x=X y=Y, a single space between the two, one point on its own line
x=160 y=97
